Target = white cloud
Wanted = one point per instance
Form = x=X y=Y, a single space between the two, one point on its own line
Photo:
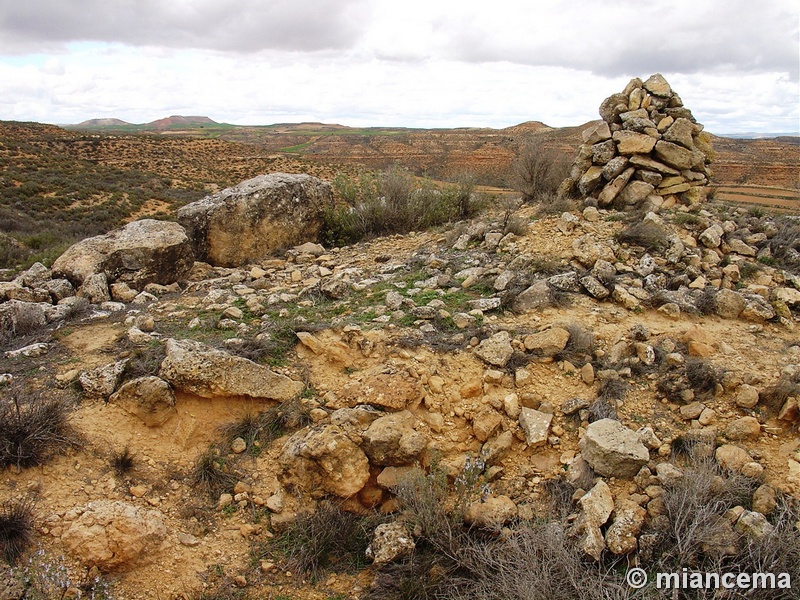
x=374 y=62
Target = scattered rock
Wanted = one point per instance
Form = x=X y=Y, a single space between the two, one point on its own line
x=754 y=525
x=536 y=426
x=390 y=541
x=193 y=367
x=612 y=449
x=392 y=440
x=322 y=459
x=765 y=500
x=149 y=398
x=141 y=252
x=621 y=537
x=485 y=424
x=492 y=513
x=114 y=535
x=745 y=428
x=496 y=350
x=101 y=382
x=547 y=343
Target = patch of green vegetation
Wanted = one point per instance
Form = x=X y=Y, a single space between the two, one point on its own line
x=394 y=202
x=296 y=148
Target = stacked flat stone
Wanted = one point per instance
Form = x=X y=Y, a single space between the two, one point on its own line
x=647 y=149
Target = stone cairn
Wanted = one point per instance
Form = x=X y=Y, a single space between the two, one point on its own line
x=648 y=151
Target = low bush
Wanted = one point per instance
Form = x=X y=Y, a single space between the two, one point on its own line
x=145 y=360
x=122 y=461
x=533 y=561
x=539 y=169
x=34 y=428
x=646 y=234
x=774 y=396
x=694 y=505
x=785 y=244
x=213 y=473
x=262 y=428
x=702 y=376
x=325 y=539
x=44 y=577
x=602 y=408
x=394 y=202
x=16 y=529
x=613 y=389
x=580 y=346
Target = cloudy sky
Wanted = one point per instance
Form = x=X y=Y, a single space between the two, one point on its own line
x=416 y=63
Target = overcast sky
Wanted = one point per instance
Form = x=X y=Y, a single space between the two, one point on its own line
x=416 y=63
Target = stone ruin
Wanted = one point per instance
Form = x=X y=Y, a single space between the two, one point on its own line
x=648 y=151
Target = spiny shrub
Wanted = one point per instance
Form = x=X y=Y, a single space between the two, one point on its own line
x=268 y=425
x=213 y=473
x=34 y=428
x=122 y=461
x=324 y=539
x=16 y=529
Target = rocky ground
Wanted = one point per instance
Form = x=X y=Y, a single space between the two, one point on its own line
x=589 y=347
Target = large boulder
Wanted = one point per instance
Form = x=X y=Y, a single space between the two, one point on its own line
x=246 y=222
x=141 y=252
x=114 y=535
x=613 y=450
x=323 y=460
x=193 y=367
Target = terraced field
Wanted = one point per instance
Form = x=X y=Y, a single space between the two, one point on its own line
x=783 y=199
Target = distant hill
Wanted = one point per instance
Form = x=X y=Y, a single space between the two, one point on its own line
x=166 y=124
x=104 y=123
x=179 y=121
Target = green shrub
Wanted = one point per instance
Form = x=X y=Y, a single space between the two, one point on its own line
x=393 y=201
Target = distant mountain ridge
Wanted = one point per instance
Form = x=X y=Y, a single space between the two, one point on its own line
x=171 y=122
x=759 y=135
